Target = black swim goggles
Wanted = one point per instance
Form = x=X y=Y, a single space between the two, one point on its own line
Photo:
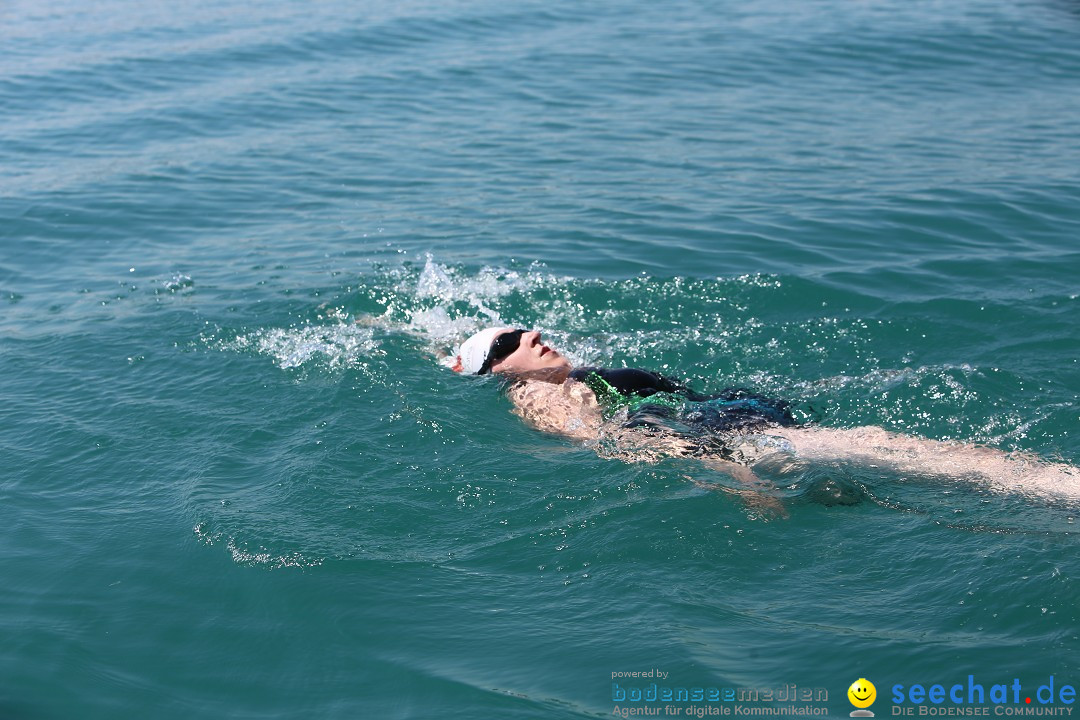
x=503 y=347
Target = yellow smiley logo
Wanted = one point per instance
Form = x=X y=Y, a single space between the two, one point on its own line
x=862 y=693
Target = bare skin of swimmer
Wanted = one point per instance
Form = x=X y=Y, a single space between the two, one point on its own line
x=548 y=400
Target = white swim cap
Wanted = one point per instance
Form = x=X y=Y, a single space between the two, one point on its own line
x=474 y=352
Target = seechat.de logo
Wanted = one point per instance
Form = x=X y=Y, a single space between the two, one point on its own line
x=862 y=694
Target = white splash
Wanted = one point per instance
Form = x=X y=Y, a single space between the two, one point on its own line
x=336 y=346
x=178 y=282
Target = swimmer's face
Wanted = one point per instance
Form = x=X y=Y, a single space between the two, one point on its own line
x=531 y=355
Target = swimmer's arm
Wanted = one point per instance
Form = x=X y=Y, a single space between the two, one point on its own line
x=754 y=491
x=874 y=446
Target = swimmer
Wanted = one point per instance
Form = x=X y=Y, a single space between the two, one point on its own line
x=642 y=415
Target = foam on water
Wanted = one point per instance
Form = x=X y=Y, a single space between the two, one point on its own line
x=178 y=282
x=336 y=346
x=257 y=558
x=589 y=318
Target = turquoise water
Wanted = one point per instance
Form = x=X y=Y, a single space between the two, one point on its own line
x=233 y=238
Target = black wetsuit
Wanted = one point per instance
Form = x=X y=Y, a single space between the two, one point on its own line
x=658 y=402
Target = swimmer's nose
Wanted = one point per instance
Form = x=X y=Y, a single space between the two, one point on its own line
x=537 y=342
